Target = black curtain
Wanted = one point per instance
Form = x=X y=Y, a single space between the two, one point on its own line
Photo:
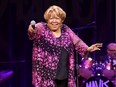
x=92 y=20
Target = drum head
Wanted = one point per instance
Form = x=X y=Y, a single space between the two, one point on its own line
x=85 y=73
x=109 y=73
x=98 y=81
x=84 y=69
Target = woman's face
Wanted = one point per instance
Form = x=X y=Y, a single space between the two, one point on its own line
x=54 y=22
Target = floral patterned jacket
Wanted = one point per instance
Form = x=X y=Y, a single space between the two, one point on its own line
x=46 y=51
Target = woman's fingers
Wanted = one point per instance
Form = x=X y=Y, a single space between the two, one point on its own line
x=99 y=44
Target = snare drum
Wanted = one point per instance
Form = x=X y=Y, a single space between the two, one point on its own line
x=98 y=81
x=84 y=69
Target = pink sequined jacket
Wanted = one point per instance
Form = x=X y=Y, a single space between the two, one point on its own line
x=46 y=51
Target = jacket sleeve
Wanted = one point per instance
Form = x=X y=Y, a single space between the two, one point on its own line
x=78 y=43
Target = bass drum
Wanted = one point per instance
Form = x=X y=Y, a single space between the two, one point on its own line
x=98 y=81
x=84 y=69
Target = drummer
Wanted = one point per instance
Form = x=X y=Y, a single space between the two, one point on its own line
x=111 y=55
x=110 y=62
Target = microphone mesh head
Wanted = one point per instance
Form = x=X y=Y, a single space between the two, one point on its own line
x=33 y=22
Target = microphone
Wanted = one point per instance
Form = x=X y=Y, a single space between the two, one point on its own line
x=33 y=24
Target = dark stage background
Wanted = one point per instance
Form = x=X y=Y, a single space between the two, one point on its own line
x=92 y=20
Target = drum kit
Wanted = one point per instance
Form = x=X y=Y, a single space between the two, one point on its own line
x=96 y=74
